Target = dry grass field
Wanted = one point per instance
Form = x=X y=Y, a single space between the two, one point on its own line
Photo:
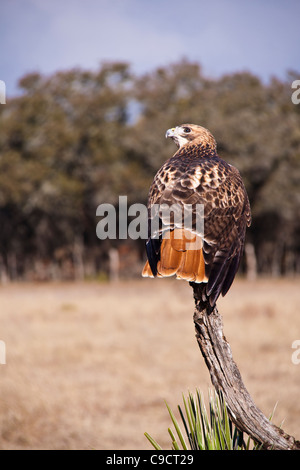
x=90 y=365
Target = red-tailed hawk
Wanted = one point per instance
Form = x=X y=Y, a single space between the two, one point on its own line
x=196 y=177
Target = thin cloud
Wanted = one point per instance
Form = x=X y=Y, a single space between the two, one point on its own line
x=224 y=36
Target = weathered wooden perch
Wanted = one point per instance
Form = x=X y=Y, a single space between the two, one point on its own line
x=226 y=378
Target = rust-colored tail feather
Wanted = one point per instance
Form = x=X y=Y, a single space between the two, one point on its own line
x=170 y=258
x=180 y=254
x=147 y=270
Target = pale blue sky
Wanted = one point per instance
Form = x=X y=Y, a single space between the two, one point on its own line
x=224 y=36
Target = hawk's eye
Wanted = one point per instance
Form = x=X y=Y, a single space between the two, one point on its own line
x=186 y=130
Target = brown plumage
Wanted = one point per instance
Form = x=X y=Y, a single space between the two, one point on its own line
x=196 y=175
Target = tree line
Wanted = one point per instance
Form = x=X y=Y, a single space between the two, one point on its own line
x=78 y=138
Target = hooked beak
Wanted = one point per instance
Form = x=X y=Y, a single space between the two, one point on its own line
x=170 y=132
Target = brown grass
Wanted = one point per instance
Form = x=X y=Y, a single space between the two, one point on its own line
x=90 y=365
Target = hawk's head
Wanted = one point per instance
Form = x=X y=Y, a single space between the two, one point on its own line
x=187 y=133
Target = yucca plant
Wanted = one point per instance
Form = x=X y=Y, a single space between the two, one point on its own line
x=205 y=430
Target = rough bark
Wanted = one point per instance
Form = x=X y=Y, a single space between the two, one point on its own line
x=226 y=378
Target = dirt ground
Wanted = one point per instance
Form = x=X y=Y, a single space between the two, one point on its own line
x=90 y=365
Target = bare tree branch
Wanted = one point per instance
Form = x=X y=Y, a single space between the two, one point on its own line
x=226 y=378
